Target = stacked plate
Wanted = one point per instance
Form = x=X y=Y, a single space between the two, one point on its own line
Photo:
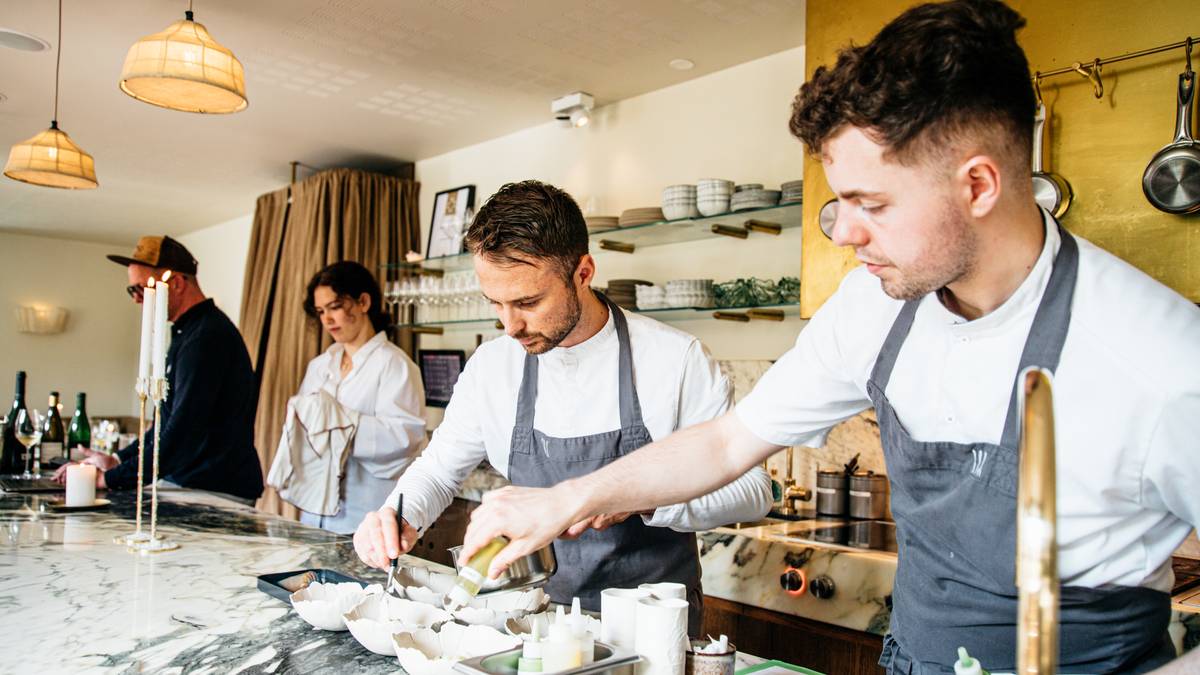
x=793 y=192
x=747 y=186
x=641 y=216
x=651 y=297
x=689 y=293
x=753 y=199
x=624 y=293
x=601 y=223
x=679 y=201
x=712 y=196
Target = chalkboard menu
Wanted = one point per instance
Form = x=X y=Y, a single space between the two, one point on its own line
x=439 y=372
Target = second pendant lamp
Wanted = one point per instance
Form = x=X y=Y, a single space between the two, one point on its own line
x=183 y=68
x=51 y=159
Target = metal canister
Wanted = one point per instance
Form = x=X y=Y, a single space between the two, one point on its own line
x=868 y=495
x=832 y=492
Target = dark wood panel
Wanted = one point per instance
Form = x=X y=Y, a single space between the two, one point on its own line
x=829 y=649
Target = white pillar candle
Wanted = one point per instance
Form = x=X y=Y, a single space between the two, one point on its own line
x=160 y=328
x=81 y=485
x=147 y=332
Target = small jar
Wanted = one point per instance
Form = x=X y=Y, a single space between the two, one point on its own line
x=832 y=493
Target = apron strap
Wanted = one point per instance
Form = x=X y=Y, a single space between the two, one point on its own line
x=631 y=407
x=882 y=372
x=1044 y=346
x=527 y=398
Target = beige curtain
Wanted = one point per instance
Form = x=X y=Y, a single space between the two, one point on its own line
x=341 y=214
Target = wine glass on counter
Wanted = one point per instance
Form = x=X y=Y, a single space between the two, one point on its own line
x=28 y=430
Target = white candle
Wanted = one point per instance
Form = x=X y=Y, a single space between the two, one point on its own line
x=147 y=332
x=160 y=328
x=81 y=485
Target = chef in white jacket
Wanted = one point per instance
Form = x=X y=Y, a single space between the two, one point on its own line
x=370 y=377
x=575 y=384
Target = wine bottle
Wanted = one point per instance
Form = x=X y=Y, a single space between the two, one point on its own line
x=53 y=437
x=12 y=453
x=79 y=434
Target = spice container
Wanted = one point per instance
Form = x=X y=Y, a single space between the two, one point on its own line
x=868 y=495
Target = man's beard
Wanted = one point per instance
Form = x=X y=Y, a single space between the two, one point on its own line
x=942 y=263
x=560 y=327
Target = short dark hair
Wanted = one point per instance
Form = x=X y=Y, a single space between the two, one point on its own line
x=932 y=75
x=530 y=219
x=348 y=279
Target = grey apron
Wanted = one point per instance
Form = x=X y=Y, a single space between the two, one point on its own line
x=955 y=511
x=628 y=553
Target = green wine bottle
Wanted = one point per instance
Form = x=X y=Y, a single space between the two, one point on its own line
x=12 y=454
x=79 y=434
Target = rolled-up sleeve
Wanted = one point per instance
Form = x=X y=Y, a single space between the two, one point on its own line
x=704 y=395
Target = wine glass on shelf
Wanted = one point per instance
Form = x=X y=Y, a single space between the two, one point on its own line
x=28 y=430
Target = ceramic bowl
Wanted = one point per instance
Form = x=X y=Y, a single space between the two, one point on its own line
x=323 y=605
x=379 y=616
x=712 y=207
x=678 y=212
x=495 y=609
x=424 y=585
x=428 y=652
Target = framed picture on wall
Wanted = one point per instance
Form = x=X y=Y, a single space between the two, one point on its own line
x=452 y=211
x=439 y=371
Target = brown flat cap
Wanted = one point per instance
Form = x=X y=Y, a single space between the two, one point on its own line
x=163 y=252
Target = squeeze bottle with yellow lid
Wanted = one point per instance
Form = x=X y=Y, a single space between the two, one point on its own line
x=473 y=575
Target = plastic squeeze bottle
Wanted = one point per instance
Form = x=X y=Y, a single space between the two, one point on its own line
x=561 y=649
x=587 y=643
x=531 y=653
x=472 y=575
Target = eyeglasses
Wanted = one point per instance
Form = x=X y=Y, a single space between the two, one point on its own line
x=135 y=291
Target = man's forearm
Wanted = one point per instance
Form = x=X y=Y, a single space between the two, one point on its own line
x=687 y=464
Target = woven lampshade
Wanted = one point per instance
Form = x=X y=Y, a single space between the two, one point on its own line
x=52 y=160
x=184 y=68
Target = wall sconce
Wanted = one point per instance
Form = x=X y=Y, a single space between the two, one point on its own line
x=41 y=320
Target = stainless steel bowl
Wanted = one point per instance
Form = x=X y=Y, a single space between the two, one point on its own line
x=529 y=571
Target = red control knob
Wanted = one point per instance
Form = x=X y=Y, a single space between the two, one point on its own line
x=793 y=581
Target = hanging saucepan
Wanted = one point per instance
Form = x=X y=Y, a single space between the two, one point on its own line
x=1050 y=190
x=827 y=217
x=1172 y=181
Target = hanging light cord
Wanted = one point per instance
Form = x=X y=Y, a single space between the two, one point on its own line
x=57 y=67
x=188 y=14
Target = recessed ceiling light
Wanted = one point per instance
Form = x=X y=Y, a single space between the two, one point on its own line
x=15 y=39
x=681 y=64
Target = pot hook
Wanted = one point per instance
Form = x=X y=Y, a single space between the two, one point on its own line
x=1093 y=76
x=1037 y=86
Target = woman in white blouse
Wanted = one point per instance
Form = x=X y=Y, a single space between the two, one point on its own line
x=366 y=374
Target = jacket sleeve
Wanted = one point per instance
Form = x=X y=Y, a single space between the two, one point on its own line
x=705 y=394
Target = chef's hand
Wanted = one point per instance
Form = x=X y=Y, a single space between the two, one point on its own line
x=60 y=475
x=600 y=522
x=100 y=460
x=376 y=542
x=531 y=518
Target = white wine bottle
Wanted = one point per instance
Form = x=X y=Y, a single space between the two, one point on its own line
x=54 y=438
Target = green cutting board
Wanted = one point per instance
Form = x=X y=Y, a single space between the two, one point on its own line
x=776 y=668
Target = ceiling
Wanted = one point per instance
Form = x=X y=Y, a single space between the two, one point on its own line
x=365 y=83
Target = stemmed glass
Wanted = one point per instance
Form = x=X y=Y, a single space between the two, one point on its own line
x=28 y=430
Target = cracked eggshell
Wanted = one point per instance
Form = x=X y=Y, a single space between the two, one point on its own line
x=425 y=652
x=377 y=617
x=323 y=605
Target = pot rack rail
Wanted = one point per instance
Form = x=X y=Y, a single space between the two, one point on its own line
x=1091 y=70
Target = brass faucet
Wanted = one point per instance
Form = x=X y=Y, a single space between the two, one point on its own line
x=1037 y=547
x=792 y=493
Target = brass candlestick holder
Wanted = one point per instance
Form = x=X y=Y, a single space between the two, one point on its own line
x=155 y=544
x=142 y=388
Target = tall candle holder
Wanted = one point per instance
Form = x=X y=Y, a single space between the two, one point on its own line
x=138 y=536
x=155 y=544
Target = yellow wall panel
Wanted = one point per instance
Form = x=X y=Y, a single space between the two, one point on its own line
x=1100 y=146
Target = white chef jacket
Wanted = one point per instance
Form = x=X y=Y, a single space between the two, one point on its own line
x=678 y=385
x=384 y=387
x=1126 y=400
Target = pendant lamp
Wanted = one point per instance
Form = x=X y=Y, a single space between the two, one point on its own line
x=50 y=158
x=183 y=68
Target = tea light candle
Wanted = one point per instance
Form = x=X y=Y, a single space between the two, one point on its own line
x=81 y=485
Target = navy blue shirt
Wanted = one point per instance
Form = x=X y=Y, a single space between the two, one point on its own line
x=207 y=439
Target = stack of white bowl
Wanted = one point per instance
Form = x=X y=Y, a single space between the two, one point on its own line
x=753 y=197
x=793 y=192
x=690 y=293
x=679 y=201
x=712 y=196
x=651 y=297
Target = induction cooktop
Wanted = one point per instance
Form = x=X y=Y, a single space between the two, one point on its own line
x=872 y=535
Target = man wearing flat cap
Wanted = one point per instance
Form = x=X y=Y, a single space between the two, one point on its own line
x=207 y=435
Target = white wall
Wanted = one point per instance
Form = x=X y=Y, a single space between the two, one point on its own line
x=730 y=124
x=97 y=353
x=221 y=251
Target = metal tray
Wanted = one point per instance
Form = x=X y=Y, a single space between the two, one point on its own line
x=607 y=657
x=281 y=585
